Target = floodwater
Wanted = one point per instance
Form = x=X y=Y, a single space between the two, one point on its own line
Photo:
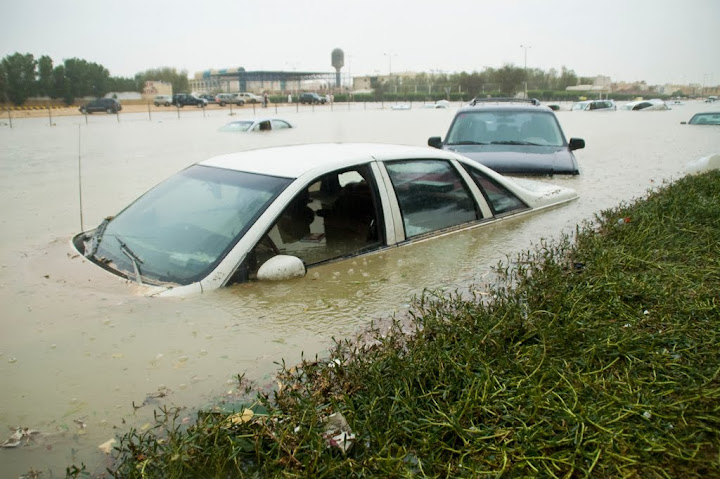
x=78 y=349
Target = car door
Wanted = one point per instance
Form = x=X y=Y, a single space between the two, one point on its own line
x=432 y=195
x=336 y=215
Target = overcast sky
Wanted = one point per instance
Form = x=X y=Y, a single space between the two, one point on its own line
x=659 y=41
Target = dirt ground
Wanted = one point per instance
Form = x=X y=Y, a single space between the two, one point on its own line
x=39 y=112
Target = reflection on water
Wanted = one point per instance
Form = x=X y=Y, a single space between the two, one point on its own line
x=78 y=348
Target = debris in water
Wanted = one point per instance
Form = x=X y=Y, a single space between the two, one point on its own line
x=21 y=434
x=106 y=447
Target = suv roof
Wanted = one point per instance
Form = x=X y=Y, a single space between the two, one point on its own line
x=483 y=101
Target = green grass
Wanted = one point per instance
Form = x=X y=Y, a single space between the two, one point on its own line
x=595 y=355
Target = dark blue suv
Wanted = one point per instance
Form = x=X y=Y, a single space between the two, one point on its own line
x=511 y=136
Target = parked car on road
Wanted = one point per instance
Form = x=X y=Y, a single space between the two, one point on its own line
x=269 y=214
x=257 y=124
x=182 y=99
x=312 y=98
x=108 y=105
x=164 y=100
x=250 y=97
x=704 y=118
x=511 y=136
x=210 y=99
x=223 y=99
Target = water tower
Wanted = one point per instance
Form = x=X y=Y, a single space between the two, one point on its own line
x=338 y=61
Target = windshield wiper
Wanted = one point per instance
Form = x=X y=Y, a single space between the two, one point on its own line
x=514 y=142
x=133 y=258
x=468 y=142
x=97 y=237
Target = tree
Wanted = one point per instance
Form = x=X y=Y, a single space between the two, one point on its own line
x=179 y=81
x=85 y=79
x=60 y=86
x=3 y=84
x=19 y=77
x=45 y=76
x=510 y=79
x=567 y=78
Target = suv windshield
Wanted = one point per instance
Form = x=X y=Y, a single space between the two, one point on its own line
x=183 y=227
x=505 y=128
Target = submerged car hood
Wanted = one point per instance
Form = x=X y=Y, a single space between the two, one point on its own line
x=521 y=159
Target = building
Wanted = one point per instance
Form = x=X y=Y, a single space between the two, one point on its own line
x=238 y=79
x=601 y=85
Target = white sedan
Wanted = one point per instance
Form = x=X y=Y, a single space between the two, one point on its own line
x=269 y=214
x=257 y=124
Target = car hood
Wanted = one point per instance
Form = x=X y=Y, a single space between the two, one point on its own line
x=521 y=159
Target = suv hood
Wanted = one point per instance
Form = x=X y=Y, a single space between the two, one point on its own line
x=521 y=159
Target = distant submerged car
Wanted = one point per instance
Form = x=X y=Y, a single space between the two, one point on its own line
x=648 y=105
x=594 y=105
x=269 y=214
x=511 y=136
x=257 y=124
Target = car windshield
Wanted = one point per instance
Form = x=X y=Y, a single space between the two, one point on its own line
x=237 y=126
x=505 y=128
x=705 y=119
x=178 y=231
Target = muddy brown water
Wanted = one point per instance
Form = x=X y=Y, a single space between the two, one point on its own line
x=78 y=348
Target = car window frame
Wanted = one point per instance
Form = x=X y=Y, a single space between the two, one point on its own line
x=395 y=225
x=244 y=270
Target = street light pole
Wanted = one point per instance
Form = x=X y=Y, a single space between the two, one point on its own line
x=390 y=55
x=526 y=49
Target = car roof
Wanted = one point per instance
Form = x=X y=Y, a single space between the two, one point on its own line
x=293 y=161
x=505 y=104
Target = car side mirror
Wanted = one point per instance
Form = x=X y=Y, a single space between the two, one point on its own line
x=281 y=267
x=435 y=142
x=576 y=144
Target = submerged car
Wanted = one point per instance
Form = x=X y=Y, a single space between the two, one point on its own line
x=269 y=214
x=511 y=136
x=257 y=124
x=705 y=118
x=646 y=105
x=594 y=105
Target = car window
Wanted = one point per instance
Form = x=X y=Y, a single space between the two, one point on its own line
x=183 y=227
x=431 y=195
x=333 y=217
x=501 y=199
x=705 y=119
x=279 y=124
x=237 y=126
x=263 y=126
x=505 y=127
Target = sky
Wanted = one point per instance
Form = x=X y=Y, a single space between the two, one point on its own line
x=657 y=41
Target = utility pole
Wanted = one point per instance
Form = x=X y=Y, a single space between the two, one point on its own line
x=526 y=49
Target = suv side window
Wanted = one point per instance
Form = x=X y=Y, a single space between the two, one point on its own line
x=431 y=195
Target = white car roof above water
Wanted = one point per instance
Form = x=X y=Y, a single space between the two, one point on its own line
x=293 y=161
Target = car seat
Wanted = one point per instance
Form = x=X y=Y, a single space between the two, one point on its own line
x=349 y=224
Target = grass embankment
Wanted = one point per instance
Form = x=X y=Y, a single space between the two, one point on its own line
x=599 y=355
